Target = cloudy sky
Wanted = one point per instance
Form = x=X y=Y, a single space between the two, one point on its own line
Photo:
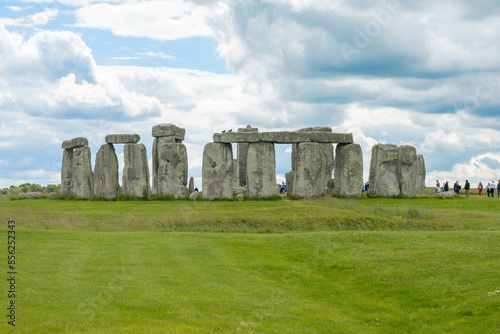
x=425 y=73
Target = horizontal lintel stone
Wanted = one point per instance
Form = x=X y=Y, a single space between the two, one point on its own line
x=123 y=138
x=237 y=137
x=75 y=143
x=284 y=137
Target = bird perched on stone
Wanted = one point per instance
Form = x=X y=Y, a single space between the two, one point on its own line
x=223 y=131
x=231 y=130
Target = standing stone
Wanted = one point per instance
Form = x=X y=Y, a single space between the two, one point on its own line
x=191 y=185
x=66 y=171
x=290 y=179
x=261 y=170
x=407 y=157
x=155 y=163
x=348 y=170
x=236 y=182
x=217 y=171
x=383 y=170
x=242 y=149
x=106 y=173
x=419 y=173
x=310 y=174
x=82 y=183
x=172 y=169
x=135 y=180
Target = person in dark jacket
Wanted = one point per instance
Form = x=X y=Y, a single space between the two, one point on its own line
x=467 y=187
x=446 y=187
x=498 y=189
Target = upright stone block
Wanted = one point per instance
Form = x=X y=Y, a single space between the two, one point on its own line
x=348 y=170
x=82 y=184
x=407 y=157
x=419 y=173
x=311 y=173
x=135 y=180
x=172 y=169
x=383 y=170
x=191 y=185
x=290 y=179
x=67 y=171
x=106 y=173
x=155 y=164
x=261 y=170
x=242 y=149
x=217 y=171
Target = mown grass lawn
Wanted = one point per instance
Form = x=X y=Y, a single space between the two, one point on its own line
x=352 y=266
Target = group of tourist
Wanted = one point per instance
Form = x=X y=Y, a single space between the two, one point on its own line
x=490 y=188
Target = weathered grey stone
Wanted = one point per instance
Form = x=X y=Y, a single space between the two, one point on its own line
x=310 y=174
x=327 y=151
x=326 y=137
x=236 y=181
x=123 y=138
x=168 y=130
x=383 y=170
x=330 y=187
x=106 y=173
x=82 y=183
x=172 y=169
x=348 y=170
x=75 y=143
x=285 y=137
x=290 y=179
x=217 y=171
x=242 y=149
x=191 y=185
x=66 y=171
x=155 y=164
x=240 y=192
x=236 y=137
x=261 y=170
x=419 y=173
x=193 y=195
x=407 y=157
x=135 y=180
x=316 y=129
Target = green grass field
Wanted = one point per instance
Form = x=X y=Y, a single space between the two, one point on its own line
x=370 y=265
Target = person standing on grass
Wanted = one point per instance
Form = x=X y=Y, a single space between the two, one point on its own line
x=438 y=186
x=498 y=189
x=480 y=188
x=492 y=189
x=467 y=187
x=446 y=187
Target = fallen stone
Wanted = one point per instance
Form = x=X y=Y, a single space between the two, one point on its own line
x=348 y=170
x=240 y=192
x=217 y=171
x=168 y=130
x=135 y=179
x=261 y=170
x=193 y=195
x=75 y=143
x=122 y=138
x=106 y=173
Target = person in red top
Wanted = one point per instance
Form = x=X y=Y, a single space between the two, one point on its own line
x=480 y=188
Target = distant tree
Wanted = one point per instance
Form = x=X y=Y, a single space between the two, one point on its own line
x=52 y=188
x=35 y=187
